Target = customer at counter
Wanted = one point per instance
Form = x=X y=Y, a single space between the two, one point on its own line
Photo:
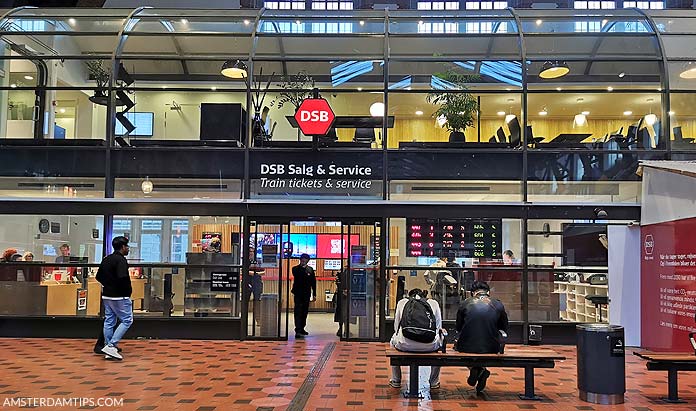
x=115 y=279
x=28 y=256
x=64 y=256
x=10 y=255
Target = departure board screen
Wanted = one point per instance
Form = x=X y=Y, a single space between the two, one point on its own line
x=472 y=238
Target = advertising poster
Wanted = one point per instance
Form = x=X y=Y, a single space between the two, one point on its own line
x=668 y=285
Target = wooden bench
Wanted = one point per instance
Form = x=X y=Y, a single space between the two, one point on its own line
x=672 y=363
x=514 y=357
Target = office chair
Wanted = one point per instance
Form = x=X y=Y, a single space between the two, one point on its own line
x=492 y=140
x=364 y=135
x=501 y=135
x=514 y=126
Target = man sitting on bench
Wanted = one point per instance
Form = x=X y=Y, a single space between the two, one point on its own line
x=479 y=321
x=418 y=322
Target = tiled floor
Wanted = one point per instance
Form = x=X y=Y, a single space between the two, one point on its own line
x=231 y=375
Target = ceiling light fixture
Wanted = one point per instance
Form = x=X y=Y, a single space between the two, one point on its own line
x=627 y=113
x=298 y=22
x=377 y=109
x=246 y=22
x=419 y=113
x=13 y=85
x=622 y=74
x=580 y=120
x=147 y=186
x=184 y=21
x=554 y=69
x=610 y=88
x=501 y=113
x=690 y=72
x=360 y=89
x=671 y=113
x=72 y=21
x=213 y=88
x=28 y=77
x=558 y=89
x=362 y=23
x=543 y=112
x=650 y=119
x=62 y=111
x=538 y=22
x=585 y=113
x=234 y=69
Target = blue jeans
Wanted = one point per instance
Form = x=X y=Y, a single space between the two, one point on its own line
x=117 y=309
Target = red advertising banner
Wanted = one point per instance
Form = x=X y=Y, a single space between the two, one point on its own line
x=668 y=285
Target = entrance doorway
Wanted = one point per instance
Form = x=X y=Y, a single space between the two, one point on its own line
x=345 y=258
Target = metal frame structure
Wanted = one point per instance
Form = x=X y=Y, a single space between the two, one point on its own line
x=380 y=209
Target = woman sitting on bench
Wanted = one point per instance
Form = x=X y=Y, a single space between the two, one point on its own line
x=418 y=323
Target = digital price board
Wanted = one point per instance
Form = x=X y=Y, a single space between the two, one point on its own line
x=472 y=238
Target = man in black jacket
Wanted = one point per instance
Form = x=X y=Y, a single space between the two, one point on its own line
x=304 y=288
x=479 y=321
x=116 y=291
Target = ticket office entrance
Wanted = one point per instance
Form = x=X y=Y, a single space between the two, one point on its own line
x=345 y=256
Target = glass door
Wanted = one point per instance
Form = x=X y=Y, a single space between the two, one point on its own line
x=265 y=282
x=363 y=281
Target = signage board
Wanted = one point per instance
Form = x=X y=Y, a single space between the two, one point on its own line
x=226 y=281
x=472 y=238
x=314 y=117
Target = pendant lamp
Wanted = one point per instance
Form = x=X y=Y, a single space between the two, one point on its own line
x=554 y=69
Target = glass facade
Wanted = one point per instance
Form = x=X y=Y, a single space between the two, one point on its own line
x=483 y=113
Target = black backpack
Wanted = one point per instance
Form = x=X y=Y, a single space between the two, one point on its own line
x=418 y=321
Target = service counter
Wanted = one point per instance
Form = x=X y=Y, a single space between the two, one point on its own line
x=32 y=298
x=94 y=294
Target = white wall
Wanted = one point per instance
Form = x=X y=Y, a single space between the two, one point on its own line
x=22 y=232
x=624 y=280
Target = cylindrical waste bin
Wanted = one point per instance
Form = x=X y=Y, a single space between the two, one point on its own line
x=601 y=363
x=268 y=314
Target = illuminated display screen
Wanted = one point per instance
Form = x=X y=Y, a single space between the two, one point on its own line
x=473 y=238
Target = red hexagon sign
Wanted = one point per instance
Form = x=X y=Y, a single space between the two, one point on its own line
x=314 y=117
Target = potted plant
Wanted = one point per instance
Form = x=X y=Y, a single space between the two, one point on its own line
x=296 y=88
x=457 y=108
x=100 y=75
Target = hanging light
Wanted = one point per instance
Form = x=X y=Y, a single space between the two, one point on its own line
x=650 y=119
x=554 y=69
x=580 y=120
x=377 y=109
x=689 y=72
x=234 y=69
x=146 y=186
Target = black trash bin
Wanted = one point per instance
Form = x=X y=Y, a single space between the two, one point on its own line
x=601 y=363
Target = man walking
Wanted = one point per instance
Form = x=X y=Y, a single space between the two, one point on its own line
x=304 y=288
x=116 y=291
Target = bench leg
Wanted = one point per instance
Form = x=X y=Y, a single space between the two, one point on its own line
x=672 y=387
x=529 y=385
x=412 y=383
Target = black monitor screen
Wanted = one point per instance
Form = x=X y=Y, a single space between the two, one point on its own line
x=581 y=245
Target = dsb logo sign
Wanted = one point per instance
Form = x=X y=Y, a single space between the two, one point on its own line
x=314 y=117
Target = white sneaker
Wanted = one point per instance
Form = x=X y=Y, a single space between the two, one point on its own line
x=112 y=352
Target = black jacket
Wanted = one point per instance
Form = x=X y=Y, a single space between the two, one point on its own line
x=305 y=281
x=113 y=276
x=478 y=321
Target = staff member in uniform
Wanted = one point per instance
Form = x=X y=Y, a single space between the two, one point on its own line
x=304 y=288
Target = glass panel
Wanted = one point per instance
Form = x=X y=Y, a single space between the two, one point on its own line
x=183 y=45
x=296 y=75
x=600 y=75
x=487 y=74
x=267 y=282
x=569 y=258
x=423 y=120
x=680 y=46
x=682 y=74
x=193 y=24
x=604 y=177
x=37 y=286
x=609 y=120
x=76 y=116
x=675 y=24
x=205 y=284
x=363 y=280
x=51 y=45
x=683 y=121
x=449 y=267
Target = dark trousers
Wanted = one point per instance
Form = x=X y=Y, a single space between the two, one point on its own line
x=301 y=311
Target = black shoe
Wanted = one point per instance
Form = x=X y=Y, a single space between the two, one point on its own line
x=303 y=332
x=474 y=374
x=299 y=335
x=339 y=333
x=482 y=381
